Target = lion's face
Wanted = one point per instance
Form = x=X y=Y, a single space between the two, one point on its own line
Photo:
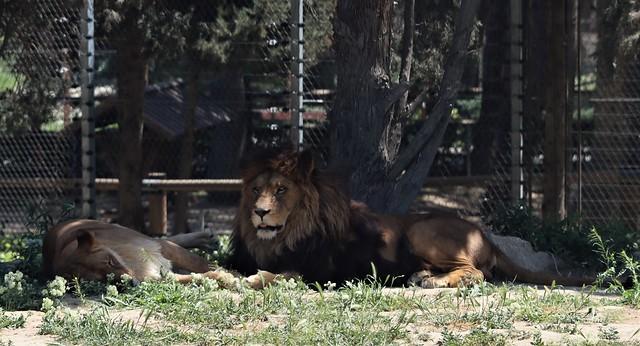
x=90 y=260
x=274 y=198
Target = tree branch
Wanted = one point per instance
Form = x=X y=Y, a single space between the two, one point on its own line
x=454 y=66
x=411 y=107
x=406 y=50
x=390 y=97
x=10 y=13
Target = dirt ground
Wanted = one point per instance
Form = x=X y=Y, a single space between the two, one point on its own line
x=625 y=320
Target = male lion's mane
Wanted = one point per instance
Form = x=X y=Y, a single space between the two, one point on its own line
x=326 y=238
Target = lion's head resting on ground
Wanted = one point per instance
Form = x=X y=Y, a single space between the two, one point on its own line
x=285 y=199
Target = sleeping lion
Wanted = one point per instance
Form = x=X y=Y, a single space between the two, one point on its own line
x=294 y=220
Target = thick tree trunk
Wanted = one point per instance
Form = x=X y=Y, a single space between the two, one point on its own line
x=555 y=102
x=132 y=79
x=361 y=115
x=186 y=149
x=492 y=130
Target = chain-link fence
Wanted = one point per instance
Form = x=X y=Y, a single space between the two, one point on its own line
x=39 y=79
x=607 y=186
x=240 y=62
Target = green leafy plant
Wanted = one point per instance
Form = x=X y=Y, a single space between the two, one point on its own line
x=622 y=271
x=18 y=292
x=7 y=321
x=569 y=238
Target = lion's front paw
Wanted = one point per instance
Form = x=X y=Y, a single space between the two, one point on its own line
x=418 y=277
x=260 y=280
x=227 y=279
x=435 y=282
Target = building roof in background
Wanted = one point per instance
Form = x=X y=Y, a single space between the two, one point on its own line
x=163 y=107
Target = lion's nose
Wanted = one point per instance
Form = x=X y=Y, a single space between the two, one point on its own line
x=261 y=212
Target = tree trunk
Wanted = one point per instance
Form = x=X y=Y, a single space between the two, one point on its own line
x=554 y=112
x=364 y=94
x=131 y=72
x=492 y=130
x=186 y=149
x=361 y=117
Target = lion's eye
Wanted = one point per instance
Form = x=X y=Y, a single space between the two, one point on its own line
x=256 y=191
x=281 y=190
x=113 y=263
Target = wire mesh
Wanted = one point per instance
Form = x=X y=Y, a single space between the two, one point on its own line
x=244 y=103
x=610 y=132
x=39 y=73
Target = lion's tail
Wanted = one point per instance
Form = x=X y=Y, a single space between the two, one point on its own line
x=512 y=270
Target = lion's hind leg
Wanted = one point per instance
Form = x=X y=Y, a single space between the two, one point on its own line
x=461 y=276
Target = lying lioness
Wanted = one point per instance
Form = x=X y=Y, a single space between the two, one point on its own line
x=91 y=250
x=295 y=220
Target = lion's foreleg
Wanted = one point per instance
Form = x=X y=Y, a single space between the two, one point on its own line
x=264 y=278
x=202 y=240
x=182 y=259
x=455 y=278
x=225 y=278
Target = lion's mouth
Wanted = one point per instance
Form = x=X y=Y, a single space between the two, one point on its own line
x=268 y=232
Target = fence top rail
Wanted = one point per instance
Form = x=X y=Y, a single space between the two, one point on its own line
x=615 y=99
x=109 y=184
x=186 y=185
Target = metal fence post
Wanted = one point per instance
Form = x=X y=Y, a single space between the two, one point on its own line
x=297 y=73
x=88 y=144
x=516 y=81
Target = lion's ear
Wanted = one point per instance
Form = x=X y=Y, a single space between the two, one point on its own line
x=306 y=164
x=86 y=241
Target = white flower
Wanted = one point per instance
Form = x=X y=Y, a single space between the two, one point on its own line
x=112 y=291
x=330 y=286
x=47 y=304
x=56 y=288
x=125 y=278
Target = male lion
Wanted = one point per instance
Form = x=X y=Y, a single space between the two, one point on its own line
x=295 y=220
x=91 y=250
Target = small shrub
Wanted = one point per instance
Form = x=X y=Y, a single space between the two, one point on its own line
x=568 y=238
x=25 y=249
x=17 y=292
x=10 y=321
x=621 y=273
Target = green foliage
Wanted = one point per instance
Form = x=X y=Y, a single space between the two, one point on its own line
x=25 y=249
x=220 y=255
x=31 y=75
x=19 y=292
x=99 y=328
x=477 y=336
x=53 y=292
x=7 y=78
x=622 y=271
x=30 y=106
x=7 y=321
x=629 y=29
x=569 y=237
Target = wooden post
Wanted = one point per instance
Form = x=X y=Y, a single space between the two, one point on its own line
x=555 y=112
x=157 y=213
